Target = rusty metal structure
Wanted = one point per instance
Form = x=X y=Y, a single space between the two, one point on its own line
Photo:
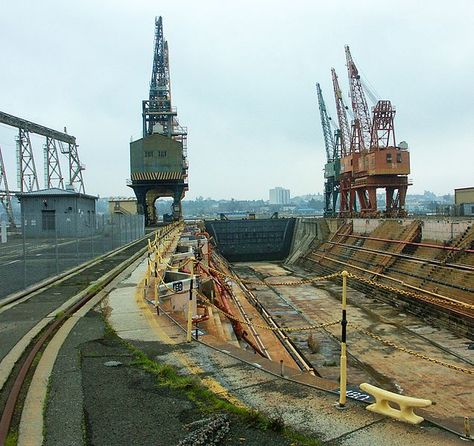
x=371 y=159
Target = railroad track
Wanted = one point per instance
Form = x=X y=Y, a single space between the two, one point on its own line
x=71 y=294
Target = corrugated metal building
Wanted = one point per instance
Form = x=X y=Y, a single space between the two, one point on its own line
x=58 y=212
x=464 y=200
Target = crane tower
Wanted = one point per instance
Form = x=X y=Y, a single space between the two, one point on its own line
x=374 y=160
x=158 y=160
x=331 y=169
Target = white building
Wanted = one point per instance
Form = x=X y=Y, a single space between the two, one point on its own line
x=279 y=195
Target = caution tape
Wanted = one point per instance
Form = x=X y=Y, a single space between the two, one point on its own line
x=266 y=327
x=411 y=352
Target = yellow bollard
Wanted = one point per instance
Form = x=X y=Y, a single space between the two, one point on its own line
x=343 y=369
x=406 y=404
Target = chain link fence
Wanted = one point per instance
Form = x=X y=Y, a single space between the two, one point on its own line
x=47 y=244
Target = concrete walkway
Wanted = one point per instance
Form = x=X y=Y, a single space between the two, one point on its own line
x=246 y=379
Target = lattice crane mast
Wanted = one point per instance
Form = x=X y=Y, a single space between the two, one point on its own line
x=332 y=166
x=157 y=111
x=326 y=126
x=345 y=132
x=362 y=122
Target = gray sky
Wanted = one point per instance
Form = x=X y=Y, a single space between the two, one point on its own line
x=243 y=78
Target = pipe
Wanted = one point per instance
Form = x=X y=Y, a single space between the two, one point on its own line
x=222 y=304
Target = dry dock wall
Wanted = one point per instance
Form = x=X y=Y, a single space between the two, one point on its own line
x=308 y=232
x=252 y=240
x=311 y=231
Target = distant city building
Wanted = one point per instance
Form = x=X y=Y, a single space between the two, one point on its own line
x=279 y=195
x=464 y=200
x=121 y=205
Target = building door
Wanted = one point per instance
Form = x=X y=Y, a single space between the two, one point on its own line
x=49 y=220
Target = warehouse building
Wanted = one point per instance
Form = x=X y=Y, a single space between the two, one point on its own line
x=57 y=212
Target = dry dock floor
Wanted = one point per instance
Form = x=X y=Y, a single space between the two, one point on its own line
x=255 y=382
x=372 y=361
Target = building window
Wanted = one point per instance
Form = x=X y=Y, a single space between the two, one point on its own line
x=149 y=154
x=161 y=153
x=399 y=157
x=389 y=157
x=48 y=220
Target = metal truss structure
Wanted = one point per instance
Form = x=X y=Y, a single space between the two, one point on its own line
x=26 y=168
x=52 y=168
x=359 y=102
x=5 y=197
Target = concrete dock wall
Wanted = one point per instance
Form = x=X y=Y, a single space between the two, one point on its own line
x=310 y=231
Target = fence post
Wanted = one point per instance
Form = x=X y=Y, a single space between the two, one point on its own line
x=76 y=232
x=23 y=224
x=3 y=230
x=343 y=369
x=56 y=251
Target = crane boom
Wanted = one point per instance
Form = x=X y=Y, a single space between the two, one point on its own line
x=359 y=102
x=326 y=125
x=345 y=132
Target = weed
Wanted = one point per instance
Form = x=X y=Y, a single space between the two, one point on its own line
x=12 y=439
x=206 y=400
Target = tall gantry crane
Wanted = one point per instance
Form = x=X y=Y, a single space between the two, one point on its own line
x=159 y=166
x=331 y=168
x=373 y=161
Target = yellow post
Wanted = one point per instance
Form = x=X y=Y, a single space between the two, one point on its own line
x=343 y=371
x=190 y=314
x=190 y=307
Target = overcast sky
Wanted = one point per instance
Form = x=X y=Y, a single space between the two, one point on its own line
x=243 y=79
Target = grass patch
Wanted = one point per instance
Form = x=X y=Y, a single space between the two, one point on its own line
x=209 y=402
x=59 y=315
x=206 y=400
x=12 y=439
